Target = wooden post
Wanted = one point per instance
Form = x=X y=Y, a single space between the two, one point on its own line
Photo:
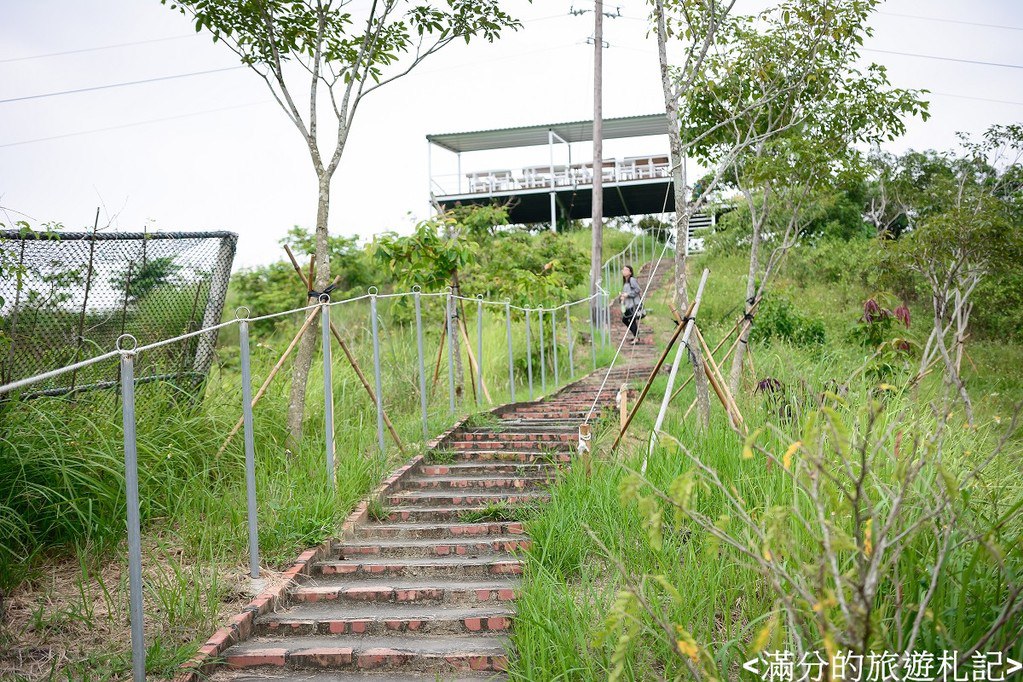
x=585 y=435
x=623 y=405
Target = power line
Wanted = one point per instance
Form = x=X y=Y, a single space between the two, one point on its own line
x=119 y=85
x=944 y=59
x=132 y=125
x=979 y=99
x=953 y=21
x=95 y=49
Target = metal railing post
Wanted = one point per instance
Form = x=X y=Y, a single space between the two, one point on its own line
x=328 y=391
x=554 y=344
x=250 y=448
x=529 y=354
x=568 y=333
x=422 y=368
x=593 y=329
x=131 y=481
x=479 y=348
x=449 y=313
x=543 y=361
x=511 y=358
x=376 y=368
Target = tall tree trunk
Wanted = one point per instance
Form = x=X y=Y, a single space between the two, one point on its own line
x=678 y=176
x=304 y=356
x=735 y=377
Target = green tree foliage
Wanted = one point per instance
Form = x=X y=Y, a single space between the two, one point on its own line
x=139 y=279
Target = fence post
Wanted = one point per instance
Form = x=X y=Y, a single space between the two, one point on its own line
x=448 y=312
x=543 y=361
x=131 y=481
x=511 y=358
x=554 y=345
x=422 y=369
x=376 y=367
x=328 y=390
x=250 y=445
x=568 y=333
x=529 y=354
x=479 y=348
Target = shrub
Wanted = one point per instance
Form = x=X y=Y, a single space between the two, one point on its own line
x=777 y=319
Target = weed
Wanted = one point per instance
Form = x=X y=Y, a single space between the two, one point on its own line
x=377 y=510
x=440 y=456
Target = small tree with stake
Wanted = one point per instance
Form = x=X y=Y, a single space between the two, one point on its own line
x=966 y=229
x=323 y=48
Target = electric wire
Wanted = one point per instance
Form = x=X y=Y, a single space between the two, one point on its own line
x=133 y=124
x=98 y=48
x=108 y=86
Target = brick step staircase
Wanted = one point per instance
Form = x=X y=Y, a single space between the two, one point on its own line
x=426 y=590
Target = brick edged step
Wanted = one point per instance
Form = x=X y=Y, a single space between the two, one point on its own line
x=408 y=590
x=352 y=652
x=367 y=550
x=459 y=567
x=280 y=675
x=437 y=530
x=474 y=482
x=334 y=619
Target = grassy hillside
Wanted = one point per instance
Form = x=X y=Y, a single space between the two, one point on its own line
x=624 y=582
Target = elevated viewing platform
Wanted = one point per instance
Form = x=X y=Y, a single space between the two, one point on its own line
x=559 y=189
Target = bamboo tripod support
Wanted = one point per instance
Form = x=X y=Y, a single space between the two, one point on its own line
x=348 y=353
x=270 y=377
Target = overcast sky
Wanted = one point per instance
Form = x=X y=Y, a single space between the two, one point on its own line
x=213 y=151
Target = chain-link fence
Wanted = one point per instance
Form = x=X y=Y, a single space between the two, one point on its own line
x=67 y=296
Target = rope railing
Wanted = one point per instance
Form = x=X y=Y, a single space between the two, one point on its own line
x=127 y=349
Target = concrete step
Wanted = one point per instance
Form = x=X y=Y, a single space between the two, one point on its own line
x=372 y=548
x=380 y=652
x=280 y=675
x=445 y=514
x=380 y=619
x=539 y=447
x=446 y=531
x=489 y=469
x=484 y=454
x=426 y=498
x=476 y=482
x=406 y=590
x=455 y=568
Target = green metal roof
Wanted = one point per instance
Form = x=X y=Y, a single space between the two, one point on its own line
x=536 y=135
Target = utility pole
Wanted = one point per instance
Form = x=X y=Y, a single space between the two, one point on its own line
x=597 y=215
x=597 y=203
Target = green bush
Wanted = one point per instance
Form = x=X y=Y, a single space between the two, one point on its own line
x=778 y=319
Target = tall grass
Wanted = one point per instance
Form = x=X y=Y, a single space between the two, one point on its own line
x=589 y=543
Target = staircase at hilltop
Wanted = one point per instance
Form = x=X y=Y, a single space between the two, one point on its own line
x=428 y=590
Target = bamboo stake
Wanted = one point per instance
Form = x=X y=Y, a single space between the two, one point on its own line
x=731 y=349
x=718 y=383
x=348 y=352
x=472 y=360
x=273 y=372
x=440 y=354
x=650 y=380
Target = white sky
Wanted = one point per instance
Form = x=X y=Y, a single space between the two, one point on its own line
x=243 y=167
